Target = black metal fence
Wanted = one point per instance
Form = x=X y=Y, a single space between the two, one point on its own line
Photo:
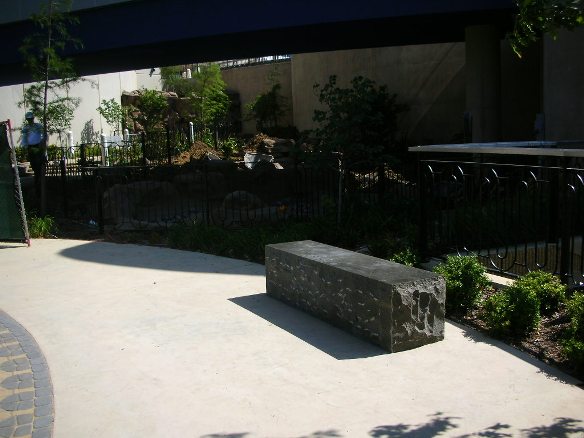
x=517 y=213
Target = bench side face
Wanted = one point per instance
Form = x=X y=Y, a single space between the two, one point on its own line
x=396 y=316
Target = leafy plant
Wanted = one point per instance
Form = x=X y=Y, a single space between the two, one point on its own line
x=113 y=113
x=513 y=310
x=268 y=108
x=360 y=122
x=537 y=17
x=209 y=99
x=548 y=288
x=151 y=110
x=230 y=146
x=406 y=257
x=41 y=227
x=42 y=52
x=573 y=346
x=465 y=279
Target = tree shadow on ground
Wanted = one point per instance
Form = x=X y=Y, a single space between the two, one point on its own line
x=547 y=370
x=439 y=423
x=328 y=339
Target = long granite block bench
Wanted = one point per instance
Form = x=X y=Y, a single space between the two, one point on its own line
x=392 y=305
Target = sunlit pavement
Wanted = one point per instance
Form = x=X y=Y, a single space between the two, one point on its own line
x=153 y=342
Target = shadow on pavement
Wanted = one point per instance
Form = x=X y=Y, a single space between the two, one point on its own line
x=151 y=257
x=328 y=339
x=440 y=424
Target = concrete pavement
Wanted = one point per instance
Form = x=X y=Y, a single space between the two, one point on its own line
x=154 y=342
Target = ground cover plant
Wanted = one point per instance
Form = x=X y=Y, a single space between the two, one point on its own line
x=465 y=280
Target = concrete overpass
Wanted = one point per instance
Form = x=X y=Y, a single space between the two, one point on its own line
x=124 y=35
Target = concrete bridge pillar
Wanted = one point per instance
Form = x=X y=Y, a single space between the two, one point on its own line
x=483 y=81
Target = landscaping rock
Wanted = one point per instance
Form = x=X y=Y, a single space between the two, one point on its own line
x=392 y=305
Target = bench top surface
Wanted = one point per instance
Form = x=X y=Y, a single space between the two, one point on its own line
x=361 y=264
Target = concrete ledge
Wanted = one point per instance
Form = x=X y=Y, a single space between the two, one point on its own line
x=391 y=305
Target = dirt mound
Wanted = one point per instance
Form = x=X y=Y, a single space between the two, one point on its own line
x=197 y=151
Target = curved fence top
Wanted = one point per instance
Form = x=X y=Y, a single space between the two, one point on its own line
x=541 y=148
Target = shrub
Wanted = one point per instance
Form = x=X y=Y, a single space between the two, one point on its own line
x=41 y=227
x=548 y=288
x=405 y=257
x=574 y=345
x=465 y=279
x=514 y=310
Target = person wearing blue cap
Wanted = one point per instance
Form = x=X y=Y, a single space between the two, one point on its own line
x=33 y=141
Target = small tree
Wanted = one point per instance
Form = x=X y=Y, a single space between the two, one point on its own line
x=268 y=108
x=360 y=122
x=53 y=74
x=151 y=110
x=537 y=17
x=210 y=101
x=113 y=113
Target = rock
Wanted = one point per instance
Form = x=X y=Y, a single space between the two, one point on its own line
x=121 y=201
x=242 y=200
x=391 y=305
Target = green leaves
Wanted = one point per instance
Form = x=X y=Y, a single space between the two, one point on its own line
x=360 y=122
x=465 y=279
x=537 y=17
x=268 y=108
x=113 y=113
x=152 y=109
x=49 y=96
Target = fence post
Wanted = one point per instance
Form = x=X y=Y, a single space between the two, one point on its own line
x=99 y=196
x=563 y=219
x=143 y=145
x=423 y=212
x=83 y=158
x=168 y=150
x=207 y=202
x=63 y=167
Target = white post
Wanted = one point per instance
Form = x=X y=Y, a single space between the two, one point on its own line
x=103 y=150
x=126 y=135
x=189 y=75
x=70 y=141
x=191 y=132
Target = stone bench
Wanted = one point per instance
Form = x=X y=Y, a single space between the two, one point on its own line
x=391 y=305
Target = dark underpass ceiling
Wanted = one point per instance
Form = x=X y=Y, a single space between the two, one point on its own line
x=148 y=33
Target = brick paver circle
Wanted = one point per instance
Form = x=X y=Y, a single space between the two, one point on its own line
x=26 y=392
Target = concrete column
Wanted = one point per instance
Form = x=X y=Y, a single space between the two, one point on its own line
x=483 y=81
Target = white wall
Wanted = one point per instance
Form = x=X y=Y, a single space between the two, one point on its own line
x=92 y=91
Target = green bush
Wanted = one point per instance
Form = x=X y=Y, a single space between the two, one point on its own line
x=465 y=279
x=246 y=244
x=548 y=288
x=406 y=257
x=41 y=227
x=514 y=310
x=574 y=345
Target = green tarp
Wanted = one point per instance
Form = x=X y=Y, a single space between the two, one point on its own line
x=12 y=216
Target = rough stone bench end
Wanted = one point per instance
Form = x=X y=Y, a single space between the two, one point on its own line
x=394 y=306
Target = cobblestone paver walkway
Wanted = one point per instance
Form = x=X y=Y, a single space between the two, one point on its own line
x=26 y=393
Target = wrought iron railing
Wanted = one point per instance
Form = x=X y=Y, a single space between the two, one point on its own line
x=517 y=209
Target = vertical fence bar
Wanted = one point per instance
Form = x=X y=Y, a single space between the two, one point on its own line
x=143 y=145
x=423 y=213
x=63 y=168
x=99 y=198
x=207 y=201
x=168 y=148
x=563 y=219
